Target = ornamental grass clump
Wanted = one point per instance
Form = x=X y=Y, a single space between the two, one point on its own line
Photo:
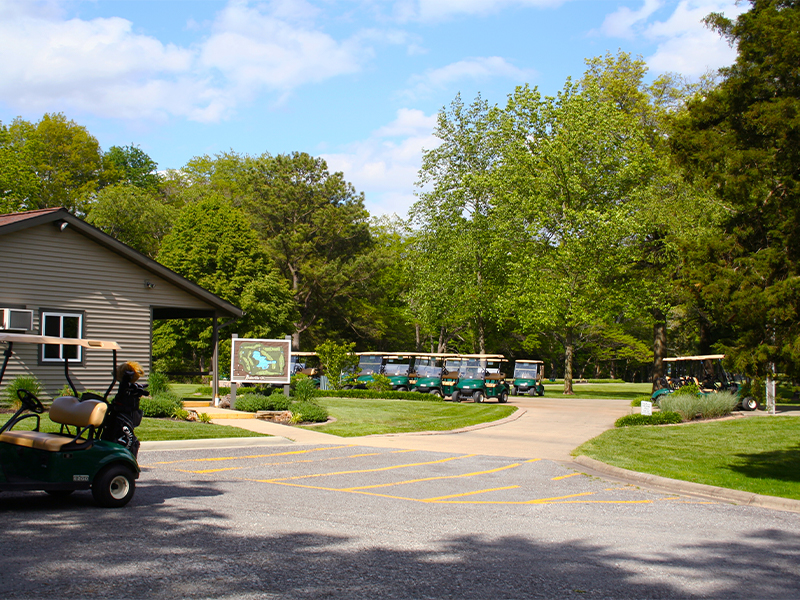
x=704 y=406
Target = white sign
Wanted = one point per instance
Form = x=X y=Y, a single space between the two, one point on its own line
x=647 y=408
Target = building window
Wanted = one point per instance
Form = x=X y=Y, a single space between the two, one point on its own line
x=61 y=324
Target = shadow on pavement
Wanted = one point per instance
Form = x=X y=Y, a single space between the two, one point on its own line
x=154 y=549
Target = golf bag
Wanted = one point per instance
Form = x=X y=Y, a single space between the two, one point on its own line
x=124 y=415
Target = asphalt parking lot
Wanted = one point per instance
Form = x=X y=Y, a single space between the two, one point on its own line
x=343 y=521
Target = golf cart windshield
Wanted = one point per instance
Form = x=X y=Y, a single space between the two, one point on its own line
x=370 y=365
x=393 y=368
x=526 y=371
x=426 y=367
x=452 y=364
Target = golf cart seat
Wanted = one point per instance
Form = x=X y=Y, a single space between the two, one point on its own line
x=65 y=410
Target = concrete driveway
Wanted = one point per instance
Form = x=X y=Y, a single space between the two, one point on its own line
x=543 y=428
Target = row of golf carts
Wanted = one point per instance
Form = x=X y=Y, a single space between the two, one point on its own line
x=458 y=377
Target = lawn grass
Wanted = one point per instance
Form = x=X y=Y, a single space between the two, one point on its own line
x=156 y=430
x=360 y=416
x=601 y=391
x=755 y=454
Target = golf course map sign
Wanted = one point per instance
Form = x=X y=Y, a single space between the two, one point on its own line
x=260 y=361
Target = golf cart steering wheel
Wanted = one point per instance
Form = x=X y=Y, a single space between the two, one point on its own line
x=30 y=401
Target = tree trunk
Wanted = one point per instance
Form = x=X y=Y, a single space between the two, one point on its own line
x=568 y=351
x=296 y=340
x=442 y=340
x=417 y=339
x=659 y=346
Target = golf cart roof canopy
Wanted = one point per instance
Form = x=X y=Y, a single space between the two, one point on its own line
x=527 y=361
x=700 y=357
x=46 y=339
x=435 y=355
x=296 y=353
x=499 y=357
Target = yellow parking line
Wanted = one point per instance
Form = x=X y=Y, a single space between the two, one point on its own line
x=368 y=487
x=173 y=462
x=433 y=462
x=440 y=498
x=565 y=476
x=275 y=464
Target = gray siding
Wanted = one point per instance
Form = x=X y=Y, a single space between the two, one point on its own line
x=43 y=267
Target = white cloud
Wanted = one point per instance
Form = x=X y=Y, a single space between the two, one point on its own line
x=478 y=69
x=684 y=43
x=104 y=67
x=434 y=10
x=622 y=22
x=387 y=163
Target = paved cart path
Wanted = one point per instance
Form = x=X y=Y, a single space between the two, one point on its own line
x=543 y=428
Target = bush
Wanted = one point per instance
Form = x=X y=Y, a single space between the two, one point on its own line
x=157 y=383
x=638 y=400
x=303 y=388
x=206 y=390
x=657 y=418
x=706 y=406
x=308 y=412
x=380 y=383
x=22 y=382
x=690 y=389
x=254 y=402
x=165 y=404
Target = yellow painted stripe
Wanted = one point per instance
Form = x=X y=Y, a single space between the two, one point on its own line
x=378 y=470
x=439 y=498
x=275 y=464
x=565 y=476
x=369 y=487
x=172 y=462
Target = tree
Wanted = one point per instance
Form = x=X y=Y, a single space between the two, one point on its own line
x=19 y=184
x=66 y=159
x=458 y=247
x=336 y=361
x=574 y=171
x=315 y=230
x=130 y=165
x=132 y=215
x=742 y=139
x=213 y=245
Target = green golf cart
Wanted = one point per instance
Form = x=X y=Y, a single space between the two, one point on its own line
x=528 y=375
x=369 y=364
x=95 y=448
x=481 y=377
x=397 y=367
x=428 y=370
x=705 y=371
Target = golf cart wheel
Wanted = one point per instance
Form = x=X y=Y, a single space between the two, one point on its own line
x=477 y=396
x=113 y=487
x=749 y=403
x=456 y=396
x=532 y=392
x=402 y=389
x=503 y=397
x=435 y=393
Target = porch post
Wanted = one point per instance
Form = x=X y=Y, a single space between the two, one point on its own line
x=215 y=362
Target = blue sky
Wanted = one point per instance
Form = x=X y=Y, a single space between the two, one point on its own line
x=358 y=82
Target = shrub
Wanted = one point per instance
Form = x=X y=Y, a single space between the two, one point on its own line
x=706 y=406
x=205 y=390
x=157 y=383
x=638 y=400
x=22 y=382
x=380 y=383
x=308 y=412
x=204 y=418
x=303 y=388
x=254 y=402
x=336 y=360
x=657 y=418
x=690 y=389
x=160 y=405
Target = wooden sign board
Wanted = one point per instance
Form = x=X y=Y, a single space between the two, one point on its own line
x=260 y=361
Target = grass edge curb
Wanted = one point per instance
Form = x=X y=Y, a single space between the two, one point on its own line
x=695 y=489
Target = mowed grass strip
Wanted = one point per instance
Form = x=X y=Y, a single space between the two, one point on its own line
x=755 y=454
x=359 y=416
x=155 y=430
